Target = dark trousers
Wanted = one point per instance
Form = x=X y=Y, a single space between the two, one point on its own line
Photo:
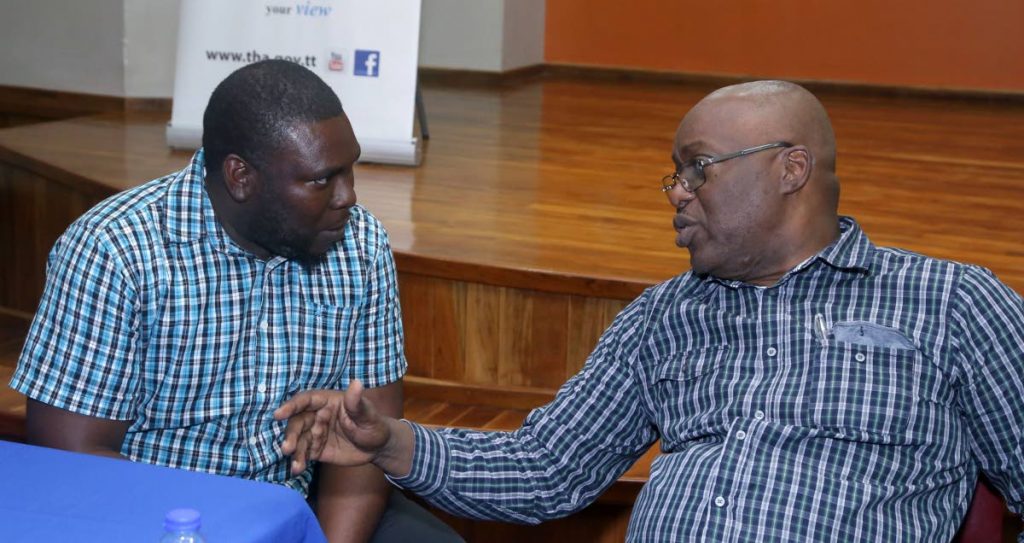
x=404 y=520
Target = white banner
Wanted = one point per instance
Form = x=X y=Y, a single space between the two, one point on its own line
x=365 y=50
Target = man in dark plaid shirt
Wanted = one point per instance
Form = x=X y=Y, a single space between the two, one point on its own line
x=179 y=314
x=806 y=385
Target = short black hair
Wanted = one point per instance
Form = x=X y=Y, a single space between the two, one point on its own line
x=250 y=111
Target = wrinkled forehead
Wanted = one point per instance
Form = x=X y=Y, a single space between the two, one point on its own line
x=725 y=122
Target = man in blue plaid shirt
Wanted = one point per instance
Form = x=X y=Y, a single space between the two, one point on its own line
x=805 y=384
x=179 y=314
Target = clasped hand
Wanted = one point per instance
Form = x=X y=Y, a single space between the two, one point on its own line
x=341 y=428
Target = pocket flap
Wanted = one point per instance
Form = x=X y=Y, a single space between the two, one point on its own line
x=871 y=334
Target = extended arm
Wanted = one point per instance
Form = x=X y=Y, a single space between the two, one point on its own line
x=352 y=499
x=563 y=457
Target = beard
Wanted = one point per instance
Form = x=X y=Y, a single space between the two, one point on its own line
x=270 y=230
x=306 y=258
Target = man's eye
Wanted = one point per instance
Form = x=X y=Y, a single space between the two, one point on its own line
x=321 y=181
x=688 y=165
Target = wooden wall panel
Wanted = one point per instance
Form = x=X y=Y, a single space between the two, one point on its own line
x=489 y=335
x=482 y=328
x=58 y=205
x=34 y=212
x=590 y=318
x=515 y=314
x=18 y=250
x=7 y=234
x=13 y=329
x=415 y=297
x=549 y=335
x=448 y=319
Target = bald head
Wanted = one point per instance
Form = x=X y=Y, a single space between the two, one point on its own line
x=758 y=212
x=782 y=110
x=766 y=111
x=785 y=111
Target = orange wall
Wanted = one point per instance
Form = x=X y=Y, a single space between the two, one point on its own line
x=951 y=44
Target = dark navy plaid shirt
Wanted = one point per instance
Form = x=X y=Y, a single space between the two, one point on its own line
x=855 y=400
x=153 y=315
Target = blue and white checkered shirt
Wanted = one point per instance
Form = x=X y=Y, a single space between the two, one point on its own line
x=855 y=400
x=153 y=315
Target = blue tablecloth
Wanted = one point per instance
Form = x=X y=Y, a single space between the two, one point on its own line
x=50 y=495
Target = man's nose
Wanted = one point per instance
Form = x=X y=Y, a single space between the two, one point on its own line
x=344 y=194
x=679 y=196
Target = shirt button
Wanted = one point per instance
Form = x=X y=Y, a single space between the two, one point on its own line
x=253 y=441
x=758 y=414
x=263 y=325
x=720 y=501
x=261 y=388
x=772 y=351
x=741 y=435
x=859 y=357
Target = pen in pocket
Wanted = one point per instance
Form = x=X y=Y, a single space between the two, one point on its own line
x=819 y=326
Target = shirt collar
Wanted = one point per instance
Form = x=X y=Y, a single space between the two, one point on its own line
x=851 y=252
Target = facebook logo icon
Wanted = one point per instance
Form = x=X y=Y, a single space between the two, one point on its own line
x=367 y=63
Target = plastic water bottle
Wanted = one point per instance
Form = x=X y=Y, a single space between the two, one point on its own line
x=182 y=526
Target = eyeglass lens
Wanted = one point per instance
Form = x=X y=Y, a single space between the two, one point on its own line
x=690 y=176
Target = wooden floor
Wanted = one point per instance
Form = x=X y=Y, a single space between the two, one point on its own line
x=536 y=214
x=559 y=178
x=563 y=176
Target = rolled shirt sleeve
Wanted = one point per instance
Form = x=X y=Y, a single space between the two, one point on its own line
x=377 y=356
x=565 y=455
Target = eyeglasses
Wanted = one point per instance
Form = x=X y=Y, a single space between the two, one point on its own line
x=691 y=173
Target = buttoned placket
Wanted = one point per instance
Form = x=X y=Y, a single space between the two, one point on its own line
x=737 y=445
x=264 y=294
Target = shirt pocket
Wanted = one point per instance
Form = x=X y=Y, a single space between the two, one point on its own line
x=863 y=392
x=686 y=391
x=320 y=346
x=869 y=333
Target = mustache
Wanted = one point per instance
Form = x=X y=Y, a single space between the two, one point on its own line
x=682 y=221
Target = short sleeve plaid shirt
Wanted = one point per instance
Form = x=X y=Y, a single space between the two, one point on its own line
x=152 y=314
x=855 y=400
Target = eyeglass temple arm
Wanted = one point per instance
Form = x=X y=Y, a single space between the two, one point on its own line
x=749 y=151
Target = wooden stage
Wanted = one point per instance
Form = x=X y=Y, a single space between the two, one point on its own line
x=541 y=201
x=536 y=214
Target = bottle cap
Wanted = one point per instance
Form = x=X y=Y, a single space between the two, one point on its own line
x=182 y=520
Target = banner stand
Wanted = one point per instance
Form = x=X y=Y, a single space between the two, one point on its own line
x=421 y=114
x=366 y=51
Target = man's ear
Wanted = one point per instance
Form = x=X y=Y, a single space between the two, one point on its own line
x=797 y=165
x=240 y=177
